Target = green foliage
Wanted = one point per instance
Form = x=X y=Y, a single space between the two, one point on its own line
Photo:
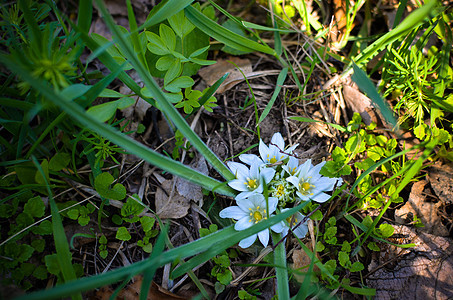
x=105 y=111
x=81 y=213
x=102 y=148
x=207 y=231
x=102 y=184
x=242 y=294
x=131 y=209
x=123 y=234
x=103 y=252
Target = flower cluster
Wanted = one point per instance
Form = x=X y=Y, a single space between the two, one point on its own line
x=286 y=181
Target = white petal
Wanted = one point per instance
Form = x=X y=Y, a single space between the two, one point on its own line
x=245 y=204
x=267 y=174
x=247 y=242
x=294 y=180
x=243 y=223
x=232 y=212
x=279 y=227
x=250 y=159
x=304 y=168
x=239 y=170
x=315 y=170
x=301 y=230
x=325 y=184
x=302 y=197
x=277 y=139
x=257 y=200
x=320 y=198
x=272 y=204
x=243 y=195
x=254 y=171
x=264 y=151
x=264 y=237
x=238 y=185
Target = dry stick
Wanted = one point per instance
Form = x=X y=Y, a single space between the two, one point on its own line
x=263 y=253
x=291 y=229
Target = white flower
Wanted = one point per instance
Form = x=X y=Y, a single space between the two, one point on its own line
x=249 y=181
x=310 y=184
x=291 y=166
x=271 y=154
x=251 y=211
x=292 y=222
x=276 y=151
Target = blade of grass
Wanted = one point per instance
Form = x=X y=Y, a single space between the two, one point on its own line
x=218 y=246
x=134 y=34
x=362 y=227
x=84 y=15
x=368 y=87
x=116 y=137
x=224 y=35
x=408 y=24
x=280 y=271
x=215 y=243
x=148 y=275
x=410 y=174
x=303 y=119
x=278 y=86
x=160 y=97
x=61 y=243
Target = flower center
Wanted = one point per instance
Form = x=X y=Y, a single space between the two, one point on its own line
x=251 y=183
x=273 y=160
x=280 y=191
x=304 y=187
x=257 y=215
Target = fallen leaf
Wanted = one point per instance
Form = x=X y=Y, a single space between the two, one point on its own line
x=189 y=190
x=360 y=103
x=417 y=205
x=132 y=291
x=301 y=263
x=422 y=272
x=173 y=207
x=440 y=176
x=213 y=72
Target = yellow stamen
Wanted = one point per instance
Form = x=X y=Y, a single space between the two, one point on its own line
x=257 y=216
x=273 y=160
x=251 y=183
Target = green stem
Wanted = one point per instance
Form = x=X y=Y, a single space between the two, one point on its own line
x=280 y=267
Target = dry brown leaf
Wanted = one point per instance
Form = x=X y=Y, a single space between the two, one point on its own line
x=174 y=207
x=132 y=291
x=426 y=211
x=422 y=272
x=212 y=73
x=441 y=179
x=360 y=103
x=301 y=263
x=189 y=190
